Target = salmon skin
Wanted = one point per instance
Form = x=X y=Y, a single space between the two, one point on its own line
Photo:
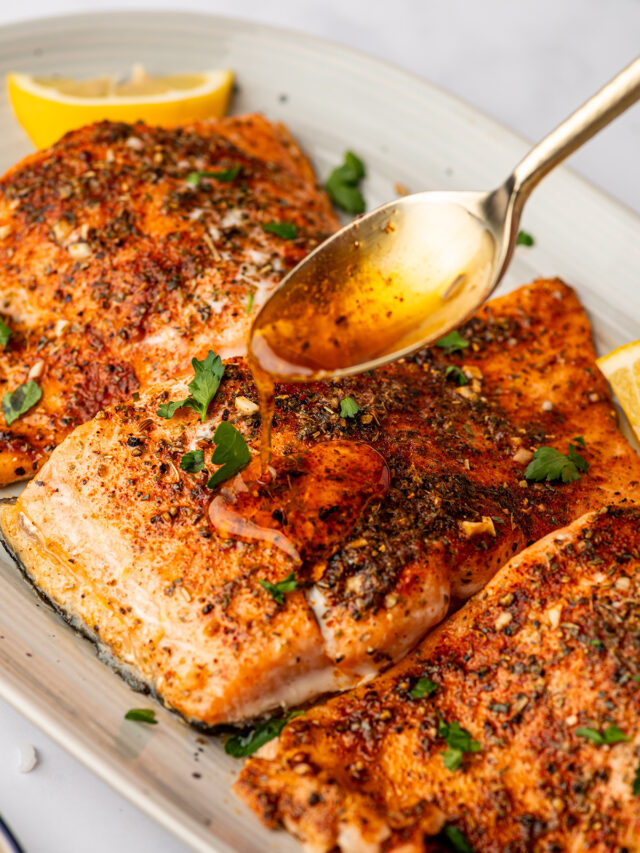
x=127 y=250
x=381 y=522
x=541 y=669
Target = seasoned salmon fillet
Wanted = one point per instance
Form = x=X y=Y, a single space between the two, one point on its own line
x=126 y=250
x=537 y=681
x=376 y=523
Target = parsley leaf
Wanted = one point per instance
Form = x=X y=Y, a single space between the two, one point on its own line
x=524 y=239
x=226 y=175
x=141 y=715
x=550 y=464
x=458 y=741
x=239 y=746
x=458 y=376
x=636 y=783
x=423 y=687
x=5 y=334
x=348 y=407
x=453 y=342
x=456 y=839
x=193 y=461
x=277 y=590
x=636 y=678
x=16 y=403
x=203 y=387
x=612 y=734
x=286 y=230
x=250 y=301
x=342 y=184
x=579 y=439
x=231 y=453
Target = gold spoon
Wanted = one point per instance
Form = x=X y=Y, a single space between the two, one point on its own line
x=410 y=271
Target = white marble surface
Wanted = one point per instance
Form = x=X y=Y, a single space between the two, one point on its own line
x=527 y=64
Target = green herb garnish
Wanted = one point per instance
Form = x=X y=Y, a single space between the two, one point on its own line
x=453 y=342
x=226 y=175
x=636 y=783
x=193 y=461
x=277 y=590
x=636 y=678
x=16 y=403
x=231 y=453
x=524 y=239
x=5 y=334
x=458 y=376
x=456 y=839
x=343 y=184
x=286 y=230
x=612 y=734
x=250 y=301
x=141 y=715
x=348 y=407
x=423 y=687
x=239 y=746
x=203 y=387
x=458 y=741
x=550 y=464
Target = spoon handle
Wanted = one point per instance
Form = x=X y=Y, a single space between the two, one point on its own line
x=614 y=98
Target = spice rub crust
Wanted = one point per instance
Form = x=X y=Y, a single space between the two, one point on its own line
x=115 y=270
x=119 y=536
x=535 y=667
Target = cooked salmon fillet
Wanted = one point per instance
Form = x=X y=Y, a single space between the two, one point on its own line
x=541 y=668
x=115 y=270
x=384 y=518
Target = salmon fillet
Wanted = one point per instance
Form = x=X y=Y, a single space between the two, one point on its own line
x=384 y=518
x=115 y=271
x=542 y=669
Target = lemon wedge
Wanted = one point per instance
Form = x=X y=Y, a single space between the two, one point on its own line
x=622 y=369
x=48 y=107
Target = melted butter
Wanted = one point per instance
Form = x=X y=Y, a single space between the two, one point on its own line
x=372 y=299
x=312 y=502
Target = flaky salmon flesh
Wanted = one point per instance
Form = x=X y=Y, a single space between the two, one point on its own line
x=125 y=251
x=541 y=670
x=385 y=520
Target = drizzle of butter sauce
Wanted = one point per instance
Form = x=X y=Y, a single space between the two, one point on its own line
x=310 y=504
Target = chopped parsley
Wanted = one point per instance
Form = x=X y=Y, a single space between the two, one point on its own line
x=193 y=461
x=277 y=590
x=16 y=403
x=458 y=376
x=231 y=453
x=250 y=301
x=203 y=387
x=453 y=342
x=348 y=407
x=239 y=746
x=343 y=184
x=225 y=175
x=456 y=839
x=524 y=239
x=636 y=783
x=550 y=464
x=458 y=741
x=5 y=334
x=636 y=678
x=141 y=715
x=612 y=734
x=286 y=230
x=423 y=687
